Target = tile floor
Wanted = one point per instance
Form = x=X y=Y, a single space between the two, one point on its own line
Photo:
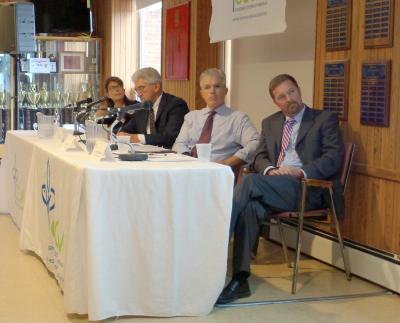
x=28 y=293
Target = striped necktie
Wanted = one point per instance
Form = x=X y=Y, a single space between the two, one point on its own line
x=287 y=133
x=151 y=121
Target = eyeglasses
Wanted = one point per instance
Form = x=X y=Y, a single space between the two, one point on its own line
x=140 y=89
x=114 y=87
x=289 y=93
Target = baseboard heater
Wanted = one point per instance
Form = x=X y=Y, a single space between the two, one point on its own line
x=377 y=266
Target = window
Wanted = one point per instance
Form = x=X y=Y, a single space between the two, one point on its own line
x=150 y=36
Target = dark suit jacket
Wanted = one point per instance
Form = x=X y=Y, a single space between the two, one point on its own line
x=168 y=121
x=319 y=146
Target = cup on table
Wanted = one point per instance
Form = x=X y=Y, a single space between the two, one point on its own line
x=203 y=152
x=122 y=142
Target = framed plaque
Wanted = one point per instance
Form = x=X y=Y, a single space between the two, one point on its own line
x=375 y=93
x=336 y=76
x=379 y=20
x=338 y=25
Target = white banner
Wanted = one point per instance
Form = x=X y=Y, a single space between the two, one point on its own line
x=240 y=18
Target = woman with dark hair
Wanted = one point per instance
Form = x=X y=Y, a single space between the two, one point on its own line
x=116 y=97
x=115 y=93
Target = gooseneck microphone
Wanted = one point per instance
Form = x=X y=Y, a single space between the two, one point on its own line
x=84 y=101
x=146 y=105
x=96 y=102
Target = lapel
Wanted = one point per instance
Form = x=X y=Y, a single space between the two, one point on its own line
x=161 y=106
x=306 y=123
x=277 y=129
x=142 y=121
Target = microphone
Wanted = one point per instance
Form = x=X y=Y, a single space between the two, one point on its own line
x=96 y=102
x=146 y=105
x=87 y=100
x=78 y=103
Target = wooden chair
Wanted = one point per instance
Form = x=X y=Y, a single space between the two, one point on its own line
x=298 y=217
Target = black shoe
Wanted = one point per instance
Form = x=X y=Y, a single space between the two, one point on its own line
x=234 y=290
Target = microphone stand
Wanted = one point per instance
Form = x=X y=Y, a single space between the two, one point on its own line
x=76 y=115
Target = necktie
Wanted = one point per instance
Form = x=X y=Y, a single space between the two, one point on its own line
x=205 y=135
x=287 y=133
x=152 y=124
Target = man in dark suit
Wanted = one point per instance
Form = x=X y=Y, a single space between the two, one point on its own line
x=296 y=142
x=160 y=125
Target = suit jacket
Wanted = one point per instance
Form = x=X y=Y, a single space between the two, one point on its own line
x=169 y=119
x=319 y=146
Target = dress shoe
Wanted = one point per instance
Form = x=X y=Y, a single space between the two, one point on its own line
x=234 y=290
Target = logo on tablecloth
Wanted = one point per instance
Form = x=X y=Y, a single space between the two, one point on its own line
x=19 y=192
x=48 y=198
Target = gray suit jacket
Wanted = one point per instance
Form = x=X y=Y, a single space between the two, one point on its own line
x=319 y=146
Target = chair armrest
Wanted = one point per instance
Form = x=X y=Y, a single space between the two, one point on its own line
x=317 y=183
x=246 y=169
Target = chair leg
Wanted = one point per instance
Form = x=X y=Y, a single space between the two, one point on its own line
x=346 y=263
x=299 y=234
x=283 y=241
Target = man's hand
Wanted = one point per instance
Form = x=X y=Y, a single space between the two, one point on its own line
x=287 y=170
x=134 y=137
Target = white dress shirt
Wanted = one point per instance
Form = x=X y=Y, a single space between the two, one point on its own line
x=155 y=108
x=232 y=134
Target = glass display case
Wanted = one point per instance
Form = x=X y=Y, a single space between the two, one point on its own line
x=62 y=74
x=5 y=97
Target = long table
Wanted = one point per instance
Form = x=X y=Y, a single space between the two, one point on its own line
x=125 y=238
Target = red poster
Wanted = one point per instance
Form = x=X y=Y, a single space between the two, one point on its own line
x=177 y=42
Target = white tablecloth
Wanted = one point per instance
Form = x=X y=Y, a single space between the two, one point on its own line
x=125 y=238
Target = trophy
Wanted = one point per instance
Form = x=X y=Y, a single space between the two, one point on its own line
x=2 y=99
x=56 y=97
x=75 y=96
x=33 y=96
x=21 y=94
x=66 y=97
x=44 y=96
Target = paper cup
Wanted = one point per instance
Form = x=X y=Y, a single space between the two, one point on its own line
x=203 y=152
x=122 y=142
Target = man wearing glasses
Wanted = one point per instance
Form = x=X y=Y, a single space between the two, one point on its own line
x=160 y=125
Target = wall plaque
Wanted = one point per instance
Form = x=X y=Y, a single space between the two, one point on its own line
x=338 y=23
x=378 y=31
x=336 y=88
x=375 y=90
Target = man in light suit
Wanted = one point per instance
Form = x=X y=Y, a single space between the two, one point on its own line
x=296 y=142
x=168 y=112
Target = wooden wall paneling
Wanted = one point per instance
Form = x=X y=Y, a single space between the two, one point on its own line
x=202 y=54
x=116 y=24
x=102 y=20
x=182 y=88
x=124 y=41
x=207 y=55
x=372 y=215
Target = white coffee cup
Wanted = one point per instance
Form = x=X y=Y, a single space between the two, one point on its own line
x=203 y=152
x=122 y=142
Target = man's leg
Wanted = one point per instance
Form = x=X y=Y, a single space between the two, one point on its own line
x=254 y=197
